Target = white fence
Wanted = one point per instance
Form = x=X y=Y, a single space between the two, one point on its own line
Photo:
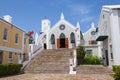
x=34 y=50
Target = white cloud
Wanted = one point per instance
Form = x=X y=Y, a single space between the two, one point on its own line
x=85 y=12
x=80 y=9
x=87 y=19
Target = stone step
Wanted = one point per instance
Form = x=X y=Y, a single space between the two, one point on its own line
x=49 y=71
x=50 y=61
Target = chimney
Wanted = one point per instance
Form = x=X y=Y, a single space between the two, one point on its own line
x=8 y=18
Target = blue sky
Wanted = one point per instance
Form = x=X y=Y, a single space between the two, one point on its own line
x=27 y=14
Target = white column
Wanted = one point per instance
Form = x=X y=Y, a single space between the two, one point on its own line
x=71 y=66
x=99 y=49
x=115 y=34
x=75 y=58
x=36 y=39
x=47 y=40
x=31 y=51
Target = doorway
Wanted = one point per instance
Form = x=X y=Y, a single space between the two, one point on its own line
x=45 y=46
x=62 y=43
x=1 y=53
x=106 y=57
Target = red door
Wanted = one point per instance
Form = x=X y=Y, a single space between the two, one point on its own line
x=58 y=43
x=66 y=42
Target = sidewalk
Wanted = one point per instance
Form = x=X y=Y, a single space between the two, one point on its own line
x=84 y=72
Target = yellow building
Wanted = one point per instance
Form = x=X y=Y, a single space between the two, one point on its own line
x=12 y=41
x=26 y=47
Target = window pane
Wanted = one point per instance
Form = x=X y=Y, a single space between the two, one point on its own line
x=72 y=37
x=88 y=51
x=10 y=54
x=16 y=38
x=5 y=34
x=10 y=57
x=52 y=39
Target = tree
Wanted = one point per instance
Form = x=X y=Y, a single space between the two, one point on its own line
x=80 y=54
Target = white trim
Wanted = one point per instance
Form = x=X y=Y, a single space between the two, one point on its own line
x=16 y=43
x=61 y=22
x=10 y=49
x=89 y=30
x=4 y=21
x=23 y=42
x=5 y=40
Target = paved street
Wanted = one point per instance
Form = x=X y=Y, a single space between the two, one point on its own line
x=83 y=73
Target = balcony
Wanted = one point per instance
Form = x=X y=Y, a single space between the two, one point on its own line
x=101 y=36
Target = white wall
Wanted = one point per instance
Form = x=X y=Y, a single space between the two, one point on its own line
x=56 y=31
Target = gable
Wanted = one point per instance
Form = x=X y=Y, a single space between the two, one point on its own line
x=68 y=25
x=88 y=35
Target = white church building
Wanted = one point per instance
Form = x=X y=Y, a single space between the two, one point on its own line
x=109 y=33
x=62 y=35
x=65 y=35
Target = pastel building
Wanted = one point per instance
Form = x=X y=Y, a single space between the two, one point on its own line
x=109 y=33
x=62 y=35
x=12 y=42
x=92 y=47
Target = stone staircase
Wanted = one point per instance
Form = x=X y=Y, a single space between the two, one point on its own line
x=50 y=61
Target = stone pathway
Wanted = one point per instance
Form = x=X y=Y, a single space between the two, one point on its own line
x=83 y=73
x=59 y=77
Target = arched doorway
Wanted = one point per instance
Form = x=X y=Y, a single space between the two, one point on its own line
x=62 y=40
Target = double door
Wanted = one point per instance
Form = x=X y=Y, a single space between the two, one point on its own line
x=62 y=43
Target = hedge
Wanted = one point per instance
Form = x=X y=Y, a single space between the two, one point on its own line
x=116 y=69
x=91 y=59
x=9 y=69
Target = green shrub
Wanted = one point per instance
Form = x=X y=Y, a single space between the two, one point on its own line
x=9 y=69
x=90 y=59
x=116 y=69
x=80 y=54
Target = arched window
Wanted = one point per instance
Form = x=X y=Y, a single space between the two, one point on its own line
x=62 y=35
x=52 y=39
x=72 y=38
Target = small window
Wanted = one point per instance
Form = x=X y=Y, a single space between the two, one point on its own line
x=92 y=42
x=5 y=36
x=62 y=36
x=88 y=52
x=52 y=39
x=111 y=52
x=72 y=38
x=93 y=33
x=10 y=57
x=10 y=54
x=16 y=38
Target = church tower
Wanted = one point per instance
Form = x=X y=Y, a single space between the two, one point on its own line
x=45 y=25
x=45 y=32
x=77 y=31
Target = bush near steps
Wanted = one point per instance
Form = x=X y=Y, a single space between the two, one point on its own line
x=92 y=60
x=9 y=69
x=116 y=69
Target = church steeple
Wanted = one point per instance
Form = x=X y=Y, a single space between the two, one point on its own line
x=62 y=16
x=92 y=25
x=78 y=25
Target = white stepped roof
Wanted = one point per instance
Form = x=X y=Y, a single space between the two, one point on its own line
x=112 y=6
